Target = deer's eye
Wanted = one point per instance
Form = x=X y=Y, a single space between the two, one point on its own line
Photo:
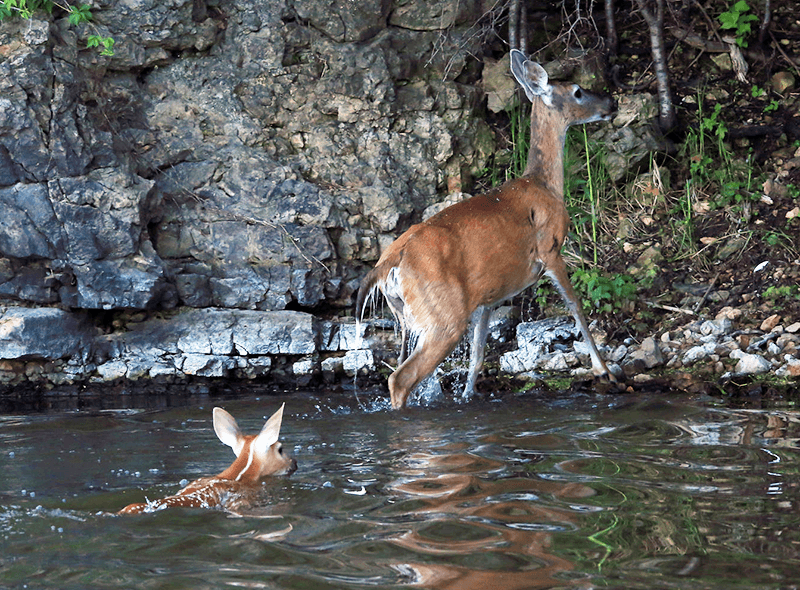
x=280 y=449
x=578 y=93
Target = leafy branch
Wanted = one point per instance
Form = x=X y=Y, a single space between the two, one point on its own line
x=107 y=44
x=737 y=20
x=76 y=15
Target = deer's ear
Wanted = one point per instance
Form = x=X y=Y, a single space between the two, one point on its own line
x=227 y=430
x=531 y=76
x=271 y=431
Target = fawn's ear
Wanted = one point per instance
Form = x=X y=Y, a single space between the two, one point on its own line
x=531 y=76
x=227 y=430
x=270 y=433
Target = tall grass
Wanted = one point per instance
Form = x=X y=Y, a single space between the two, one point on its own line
x=520 y=130
x=586 y=185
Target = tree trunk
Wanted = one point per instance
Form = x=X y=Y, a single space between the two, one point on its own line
x=513 y=24
x=655 y=22
x=612 y=42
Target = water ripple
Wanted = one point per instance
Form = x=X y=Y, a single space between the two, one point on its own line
x=581 y=492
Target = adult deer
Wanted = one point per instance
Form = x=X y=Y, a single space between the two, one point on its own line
x=475 y=254
x=257 y=455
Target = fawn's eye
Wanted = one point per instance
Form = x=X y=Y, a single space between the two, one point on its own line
x=578 y=93
x=280 y=449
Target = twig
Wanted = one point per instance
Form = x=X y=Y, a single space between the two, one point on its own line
x=670 y=308
x=705 y=295
x=696 y=41
x=783 y=53
x=233 y=216
x=476 y=30
x=712 y=25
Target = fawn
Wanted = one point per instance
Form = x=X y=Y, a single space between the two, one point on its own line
x=256 y=457
x=468 y=258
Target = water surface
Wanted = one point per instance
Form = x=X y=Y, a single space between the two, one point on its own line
x=539 y=491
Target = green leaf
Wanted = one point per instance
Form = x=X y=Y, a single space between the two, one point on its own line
x=728 y=20
x=741 y=6
x=108 y=46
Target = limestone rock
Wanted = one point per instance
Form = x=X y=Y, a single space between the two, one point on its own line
x=648 y=353
x=45 y=333
x=750 y=364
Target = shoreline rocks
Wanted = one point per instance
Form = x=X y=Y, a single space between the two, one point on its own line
x=49 y=347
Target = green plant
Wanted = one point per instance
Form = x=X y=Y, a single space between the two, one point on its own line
x=774 y=293
x=713 y=168
x=76 y=15
x=716 y=126
x=772 y=106
x=737 y=20
x=23 y=8
x=606 y=293
x=543 y=291
x=79 y=14
x=695 y=146
x=779 y=239
x=683 y=224
x=107 y=44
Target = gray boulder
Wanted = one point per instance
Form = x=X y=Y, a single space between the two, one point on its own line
x=43 y=333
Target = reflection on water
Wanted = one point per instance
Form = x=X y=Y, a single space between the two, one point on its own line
x=471 y=518
x=534 y=492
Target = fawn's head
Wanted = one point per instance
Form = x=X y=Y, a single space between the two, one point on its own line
x=572 y=103
x=256 y=455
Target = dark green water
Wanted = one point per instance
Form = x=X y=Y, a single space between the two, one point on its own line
x=567 y=491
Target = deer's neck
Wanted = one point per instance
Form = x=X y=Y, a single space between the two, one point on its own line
x=241 y=469
x=546 y=154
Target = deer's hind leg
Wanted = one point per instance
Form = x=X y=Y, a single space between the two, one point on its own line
x=435 y=341
x=481 y=331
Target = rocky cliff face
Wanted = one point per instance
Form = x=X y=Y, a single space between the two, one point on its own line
x=246 y=155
